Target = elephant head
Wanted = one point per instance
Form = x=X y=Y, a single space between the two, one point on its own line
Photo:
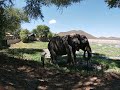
x=74 y=41
x=85 y=46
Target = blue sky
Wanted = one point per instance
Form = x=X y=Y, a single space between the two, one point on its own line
x=92 y=16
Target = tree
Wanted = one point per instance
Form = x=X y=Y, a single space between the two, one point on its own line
x=10 y=20
x=33 y=7
x=17 y=33
x=34 y=31
x=113 y=3
x=43 y=30
x=14 y=18
x=50 y=35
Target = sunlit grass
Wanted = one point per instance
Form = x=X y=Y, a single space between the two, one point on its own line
x=34 y=45
x=106 y=49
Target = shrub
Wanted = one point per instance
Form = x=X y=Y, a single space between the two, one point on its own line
x=24 y=39
x=24 y=36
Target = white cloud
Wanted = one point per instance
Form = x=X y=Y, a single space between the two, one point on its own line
x=52 y=21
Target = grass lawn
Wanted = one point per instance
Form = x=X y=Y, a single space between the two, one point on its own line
x=108 y=50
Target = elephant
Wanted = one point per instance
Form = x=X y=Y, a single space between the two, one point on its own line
x=64 y=45
x=69 y=45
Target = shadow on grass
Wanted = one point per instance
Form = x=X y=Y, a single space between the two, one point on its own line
x=24 y=50
x=99 y=63
x=30 y=75
x=24 y=53
x=96 y=79
x=18 y=72
x=103 y=59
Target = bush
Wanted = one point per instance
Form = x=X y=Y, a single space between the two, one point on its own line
x=24 y=39
x=24 y=36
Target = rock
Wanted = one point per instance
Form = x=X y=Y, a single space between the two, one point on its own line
x=93 y=78
x=88 y=83
x=47 y=53
x=42 y=88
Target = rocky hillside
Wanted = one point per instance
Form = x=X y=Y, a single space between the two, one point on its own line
x=77 y=32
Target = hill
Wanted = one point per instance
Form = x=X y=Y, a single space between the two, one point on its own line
x=77 y=32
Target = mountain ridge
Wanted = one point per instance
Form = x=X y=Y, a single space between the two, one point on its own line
x=81 y=32
x=89 y=36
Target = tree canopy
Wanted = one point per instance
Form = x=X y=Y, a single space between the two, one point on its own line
x=14 y=17
x=41 y=31
x=33 y=7
x=11 y=19
x=113 y=3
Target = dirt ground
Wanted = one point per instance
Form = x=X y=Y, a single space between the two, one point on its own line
x=18 y=74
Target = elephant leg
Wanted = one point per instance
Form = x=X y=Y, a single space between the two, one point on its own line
x=53 y=56
x=89 y=53
x=70 y=55
x=88 y=49
x=84 y=55
x=74 y=54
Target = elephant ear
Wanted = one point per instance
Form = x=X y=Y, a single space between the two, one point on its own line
x=78 y=36
x=84 y=40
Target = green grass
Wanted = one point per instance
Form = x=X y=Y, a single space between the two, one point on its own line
x=102 y=54
x=106 y=49
x=29 y=51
